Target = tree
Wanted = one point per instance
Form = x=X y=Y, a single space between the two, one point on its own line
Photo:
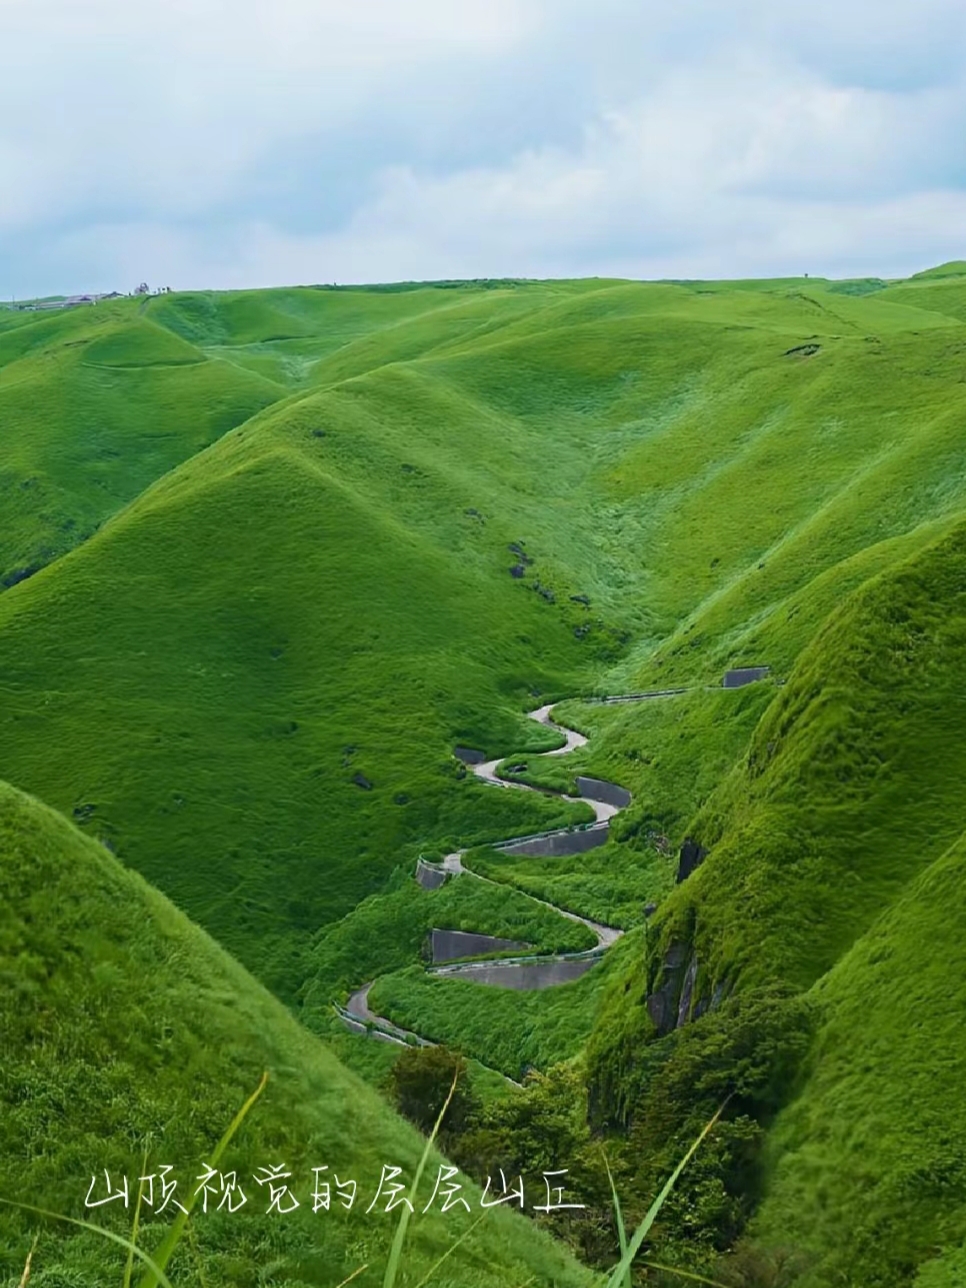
x=419 y=1083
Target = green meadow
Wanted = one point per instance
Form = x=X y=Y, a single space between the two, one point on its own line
x=267 y=557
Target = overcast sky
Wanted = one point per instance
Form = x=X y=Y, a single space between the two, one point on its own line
x=219 y=143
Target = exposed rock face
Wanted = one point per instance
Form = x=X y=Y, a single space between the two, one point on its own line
x=662 y=1004
x=687 y=992
x=673 y=1004
x=709 y=1003
x=469 y=756
x=692 y=855
x=18 y=575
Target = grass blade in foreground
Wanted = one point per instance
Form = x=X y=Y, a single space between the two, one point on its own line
x=683 y=1274
x=25 y=1277
x=129 y=1268
x=449 y=1252
x=619 y=1218
x=173 y=1237
x=355 y=1275
x=159 y=1276
x=640 y=1234
x=392 y=1265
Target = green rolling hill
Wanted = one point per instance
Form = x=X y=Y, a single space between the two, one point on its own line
x=127 y=1032
x=269 y=556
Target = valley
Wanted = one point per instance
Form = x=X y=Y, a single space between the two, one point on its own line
x=333 y=618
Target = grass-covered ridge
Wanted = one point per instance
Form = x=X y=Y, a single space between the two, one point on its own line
x=876 y=1141
x=852 y=783
x=125 y=1027
x=286 y=549
x=835 y=849
x=214 y=733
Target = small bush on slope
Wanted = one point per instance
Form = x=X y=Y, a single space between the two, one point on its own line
x=121 y=1026
x=420 y=1082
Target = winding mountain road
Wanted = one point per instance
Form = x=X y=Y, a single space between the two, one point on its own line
x=526 y=972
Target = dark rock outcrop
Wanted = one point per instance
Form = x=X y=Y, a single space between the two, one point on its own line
x=18 y=575
x=516 y=548
x=662 y=1004
x=691 y=857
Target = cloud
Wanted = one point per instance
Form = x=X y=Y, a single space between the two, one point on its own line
x=216 y=144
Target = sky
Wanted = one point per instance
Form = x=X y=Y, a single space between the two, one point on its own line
x=241 y=143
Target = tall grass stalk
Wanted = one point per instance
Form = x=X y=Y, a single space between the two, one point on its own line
x=25 y=1277
x=355 y=1275
x=395 y=1252
x=449 y=1252
x=618 y=1276
x=129 y=1267
x=683 y=1274
x=171 y=1240
x=160 y=1277
x=618 y=1217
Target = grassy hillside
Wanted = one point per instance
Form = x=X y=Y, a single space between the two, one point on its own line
x=835 y=852
x=95 y=404
x=391 y=929
x=513 y=1032
x=298 y=544
x=326 y=591
x=125 y=1028
x=852 y=783
x=283 y=697
x=868 y=1172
